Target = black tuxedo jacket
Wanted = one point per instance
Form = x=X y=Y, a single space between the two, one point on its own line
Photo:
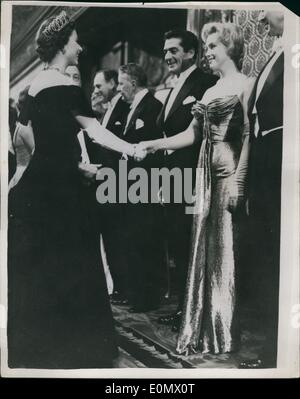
x=269 y=105
x=142 y=127
x=180 y=117
x=115 y=124
x=117 y=120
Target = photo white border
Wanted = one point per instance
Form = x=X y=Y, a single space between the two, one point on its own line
x=288 y=336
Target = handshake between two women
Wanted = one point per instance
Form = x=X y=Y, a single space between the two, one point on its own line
x=144 y=148
x=138 y=152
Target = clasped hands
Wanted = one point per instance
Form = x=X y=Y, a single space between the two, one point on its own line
x=142 y=149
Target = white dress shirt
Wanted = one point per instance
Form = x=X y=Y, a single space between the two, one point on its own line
x=180 y=82
x=110 y=107
x=137 y=99
x=277 y=51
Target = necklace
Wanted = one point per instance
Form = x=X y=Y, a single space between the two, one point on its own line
x=52 y=67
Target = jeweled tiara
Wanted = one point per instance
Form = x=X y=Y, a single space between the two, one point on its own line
x=56 y=25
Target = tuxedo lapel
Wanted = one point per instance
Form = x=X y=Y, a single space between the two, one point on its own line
x=161 y=116
x=276 y=70
x=136 y=113
x=102 y=117
x=252 y=97
x=183 y=92
x=114 y=115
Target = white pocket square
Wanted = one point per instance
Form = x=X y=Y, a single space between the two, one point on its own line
x=139 y=124
x=188 y=100
x=118 y=123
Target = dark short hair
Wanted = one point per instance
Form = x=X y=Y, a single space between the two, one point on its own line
x=189 y=41
x=135 y=72
x=109 y=74
x=48 y=46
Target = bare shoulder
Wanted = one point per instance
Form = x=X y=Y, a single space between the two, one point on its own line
x=46 y=79
x=244 y=84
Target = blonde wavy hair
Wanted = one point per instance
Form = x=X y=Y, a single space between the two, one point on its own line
x=231 y=36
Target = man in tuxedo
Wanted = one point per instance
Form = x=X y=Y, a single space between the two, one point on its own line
x=266 y=127
x=180 y=52
x=114 y=119
x=105 y=91
x=144 y=244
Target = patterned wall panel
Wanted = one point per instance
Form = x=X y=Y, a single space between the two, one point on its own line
x=258 y=44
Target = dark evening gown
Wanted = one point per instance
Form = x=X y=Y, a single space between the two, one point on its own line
x=59 y=316
x=209 y=322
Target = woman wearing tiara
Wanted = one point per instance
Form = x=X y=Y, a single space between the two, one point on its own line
x=59 y=315
x=220 y=119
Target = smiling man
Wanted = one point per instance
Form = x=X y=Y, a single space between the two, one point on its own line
x=180 y=53
x=105 y=85
x=105 y=93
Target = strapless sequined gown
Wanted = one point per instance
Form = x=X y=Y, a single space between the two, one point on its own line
x=209 y=313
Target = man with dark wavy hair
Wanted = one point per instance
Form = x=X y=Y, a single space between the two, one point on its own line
x=180 y=53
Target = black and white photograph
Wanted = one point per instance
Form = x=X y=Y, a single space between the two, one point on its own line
x=149 y=189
